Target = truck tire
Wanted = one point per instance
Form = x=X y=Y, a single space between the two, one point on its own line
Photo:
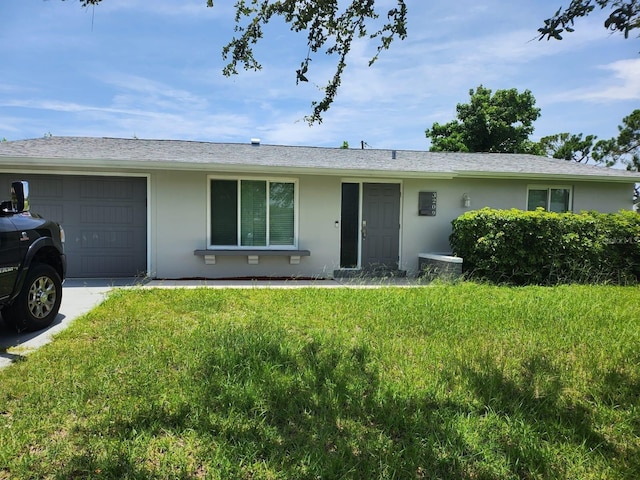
x=37 y=304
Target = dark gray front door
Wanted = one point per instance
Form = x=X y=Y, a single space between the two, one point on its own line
x=380 y=226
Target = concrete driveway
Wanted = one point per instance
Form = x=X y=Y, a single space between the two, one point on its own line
x=78 y=297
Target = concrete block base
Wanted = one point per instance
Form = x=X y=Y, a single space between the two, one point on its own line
x=437 y=266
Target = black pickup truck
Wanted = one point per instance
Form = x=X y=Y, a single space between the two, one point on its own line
x=32 y=264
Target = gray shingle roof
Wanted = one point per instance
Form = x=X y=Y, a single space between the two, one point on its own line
x=180 y=154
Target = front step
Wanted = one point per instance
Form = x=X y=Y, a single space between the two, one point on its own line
x=370 y=273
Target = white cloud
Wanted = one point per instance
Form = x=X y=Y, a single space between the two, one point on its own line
x=623 y=84
x=48 y=105
x=627 y=87
x=138 y=90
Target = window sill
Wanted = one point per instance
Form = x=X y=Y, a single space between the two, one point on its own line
x=253 y=256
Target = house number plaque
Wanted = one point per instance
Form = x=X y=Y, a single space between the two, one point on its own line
x=427 y=202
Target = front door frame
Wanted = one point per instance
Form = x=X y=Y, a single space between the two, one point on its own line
x=361 y=182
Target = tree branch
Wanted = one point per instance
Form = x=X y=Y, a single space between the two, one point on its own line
x=624 y=17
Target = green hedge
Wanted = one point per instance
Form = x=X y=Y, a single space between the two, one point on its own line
x=522 y=248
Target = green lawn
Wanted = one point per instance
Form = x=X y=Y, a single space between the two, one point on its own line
x=450 y=381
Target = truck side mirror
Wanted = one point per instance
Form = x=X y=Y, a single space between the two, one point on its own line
x=20 y=196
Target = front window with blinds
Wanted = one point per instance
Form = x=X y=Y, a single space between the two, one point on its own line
x=252 y=213
x=552 y=199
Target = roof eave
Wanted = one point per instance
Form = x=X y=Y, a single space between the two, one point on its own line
x=551 y=176
x=289 y=170
x=120 y=165
x=106 y=165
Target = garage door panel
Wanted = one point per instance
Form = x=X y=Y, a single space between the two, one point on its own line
x=46 y=187
x=108 y=189
x=108 y=266
x=47 y=196
x=107 y=239
x=54 y=212
x=111 y=214
x=104 y=218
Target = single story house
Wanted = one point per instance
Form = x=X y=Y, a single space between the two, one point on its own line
x=184 y=209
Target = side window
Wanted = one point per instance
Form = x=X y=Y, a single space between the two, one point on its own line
x=551 y=198
x=537 y=199
x=559 y=200
x=252 y=213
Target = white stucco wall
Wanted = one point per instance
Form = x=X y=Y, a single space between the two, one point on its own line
x=319 y=210
x=179 y=226
x=178 y=223
x=431 y=234
x=605 y=198
x=424 y=234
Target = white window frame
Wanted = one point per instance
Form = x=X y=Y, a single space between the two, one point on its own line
x=239 y=179
x=548 y=188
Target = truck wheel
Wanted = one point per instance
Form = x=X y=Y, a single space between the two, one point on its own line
x=39 y=301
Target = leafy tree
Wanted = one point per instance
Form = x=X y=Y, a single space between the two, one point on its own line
x=568 y=146
x=330 y=25
x=624 y=17
x=623 y=149
x=489 y=123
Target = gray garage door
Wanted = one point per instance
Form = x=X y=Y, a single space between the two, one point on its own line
x=104 y=219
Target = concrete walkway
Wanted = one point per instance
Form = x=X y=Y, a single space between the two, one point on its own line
x=290 y=283
x=79 y=296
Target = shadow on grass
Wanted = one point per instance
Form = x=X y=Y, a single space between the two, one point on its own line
x=313 y=407
x=320 y=411
x=621 y=390
x=538 y=400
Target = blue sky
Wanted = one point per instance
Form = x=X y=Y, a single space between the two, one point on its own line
x=152 y=69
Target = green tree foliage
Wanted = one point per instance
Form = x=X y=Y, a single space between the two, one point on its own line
x=623 y=149
x=330 y=26
x=623 y=17
x=568 y=146
x=499 y=123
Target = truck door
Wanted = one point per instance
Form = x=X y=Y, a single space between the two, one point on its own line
x=9 y=256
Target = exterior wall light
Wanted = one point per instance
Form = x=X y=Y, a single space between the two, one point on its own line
x=466 y=200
